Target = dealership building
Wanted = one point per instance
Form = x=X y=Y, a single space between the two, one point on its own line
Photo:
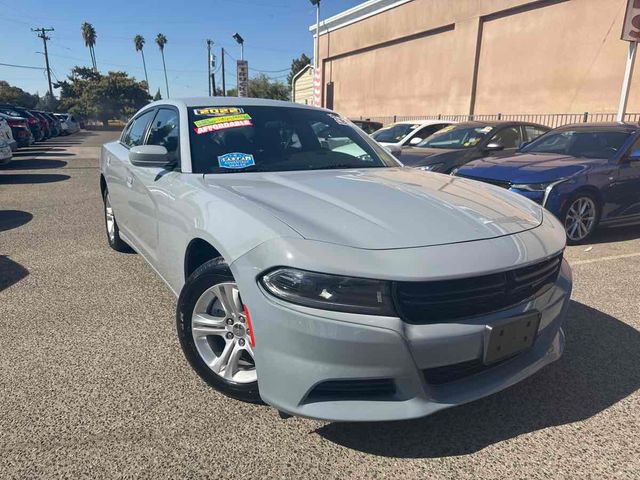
x=464 y=57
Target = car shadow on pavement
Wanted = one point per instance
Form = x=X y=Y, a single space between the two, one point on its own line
x=44 y=153
x=600 y=367
x=32 y=164
x=10 y=272
x=27 y=178
x=10 y=219
x=615 y=234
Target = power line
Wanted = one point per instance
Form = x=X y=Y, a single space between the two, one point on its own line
x=21 y=66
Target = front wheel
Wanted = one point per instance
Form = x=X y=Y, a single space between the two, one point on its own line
x=111 y=226
x=581 y=217
x=214 y=331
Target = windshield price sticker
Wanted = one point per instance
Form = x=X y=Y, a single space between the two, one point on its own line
x=484 y=130
x=339 y=120
x=446 y=129
x=217 y=111
x=223 y=126
x=227 y=118
x=236 y=160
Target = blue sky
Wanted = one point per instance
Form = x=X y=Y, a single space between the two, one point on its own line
x=275 y=31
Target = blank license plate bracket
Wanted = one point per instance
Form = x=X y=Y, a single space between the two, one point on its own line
x=508 y=338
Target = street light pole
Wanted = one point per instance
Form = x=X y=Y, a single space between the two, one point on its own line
x=626 y=82
x=240 y=40
x=209 y=43
x=316 y=54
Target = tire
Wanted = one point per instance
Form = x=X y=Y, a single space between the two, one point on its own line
x=111 y=227
x=214 y=337
x=580 y=217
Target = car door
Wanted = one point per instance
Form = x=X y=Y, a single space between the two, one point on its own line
x=118 y=172
x=628 y=183
x=149 y=185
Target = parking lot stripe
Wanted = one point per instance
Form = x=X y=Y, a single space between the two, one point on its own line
x=604 y=259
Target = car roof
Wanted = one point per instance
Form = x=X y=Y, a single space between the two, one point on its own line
x=230 y=102
x=627 y=126
x=430 y=121
x=498 y=123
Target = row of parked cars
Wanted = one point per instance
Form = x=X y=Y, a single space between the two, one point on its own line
x=22 y=127
x=587 y=175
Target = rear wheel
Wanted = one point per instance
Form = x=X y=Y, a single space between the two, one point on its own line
x=214 y=331
x=581 y=218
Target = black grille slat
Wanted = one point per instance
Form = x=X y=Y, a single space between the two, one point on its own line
x=446 y=300
x=352 y=389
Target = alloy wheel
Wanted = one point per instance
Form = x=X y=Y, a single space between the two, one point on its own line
x=221 y=333
x=580 y=219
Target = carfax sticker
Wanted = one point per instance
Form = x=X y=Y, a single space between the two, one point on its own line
x=236 y=160
x=223 y=126
x=217 y=111
x=227 y=118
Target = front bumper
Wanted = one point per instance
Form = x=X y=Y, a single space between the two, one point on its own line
x=299 y=348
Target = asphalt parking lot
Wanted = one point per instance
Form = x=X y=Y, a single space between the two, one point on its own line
x=93 y=383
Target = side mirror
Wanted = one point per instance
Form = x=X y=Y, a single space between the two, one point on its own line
x=523 y=144
x=494 y=147
x=149 y=156
x=415 y=140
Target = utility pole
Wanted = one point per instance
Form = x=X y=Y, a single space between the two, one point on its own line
x=209 y=44
x=43 y=35
x=224 y=88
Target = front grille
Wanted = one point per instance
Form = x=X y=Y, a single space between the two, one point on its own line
x=369 y=389
x=446 y=300
x=500 y=183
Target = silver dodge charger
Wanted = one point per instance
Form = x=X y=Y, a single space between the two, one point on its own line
x=317 y=274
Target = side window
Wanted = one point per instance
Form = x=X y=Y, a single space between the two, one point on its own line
x=508 y=137
x=634 y=150
x=134 y=133
x=165 y=131
x=533 y=132
x=426 y=132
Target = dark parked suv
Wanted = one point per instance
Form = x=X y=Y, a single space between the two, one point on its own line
x=455 y=145
x=35 y=124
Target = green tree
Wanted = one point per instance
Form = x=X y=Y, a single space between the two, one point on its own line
x=157 y=96
x=48 y=103
x=161 y=40
x=89 y=36
x=17 y=96
x=297 y=64
x=262 y=86
x=139 y=42
x=114 y=96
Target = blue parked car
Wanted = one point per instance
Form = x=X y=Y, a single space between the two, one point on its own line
x=586 y=174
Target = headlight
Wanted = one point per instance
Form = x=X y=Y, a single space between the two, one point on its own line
x=532 y=187
x=433 y=167
x=330 y=292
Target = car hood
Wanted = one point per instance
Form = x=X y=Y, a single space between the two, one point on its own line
x=383 y=208
x=529 y=167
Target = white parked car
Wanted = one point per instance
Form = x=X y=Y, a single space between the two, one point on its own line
x=5 y=152
x=400 y=134
x=68 y=123
x=7 y=135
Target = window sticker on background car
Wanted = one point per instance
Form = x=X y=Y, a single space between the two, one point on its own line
x=215 y=120
x=484 y=130
x=217 y=111
x=446 y=129
x=236 y=160
x=223 y=126
x=471 y=142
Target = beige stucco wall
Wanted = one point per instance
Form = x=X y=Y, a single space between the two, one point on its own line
x=522 y=56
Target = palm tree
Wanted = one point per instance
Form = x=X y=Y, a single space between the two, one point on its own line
x=138 y=41
x=89 y=36
x=161 y=40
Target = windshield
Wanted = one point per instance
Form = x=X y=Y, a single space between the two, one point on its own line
x=457 y=137
x=394 y=133
x=271 y=139
x=580 y=143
